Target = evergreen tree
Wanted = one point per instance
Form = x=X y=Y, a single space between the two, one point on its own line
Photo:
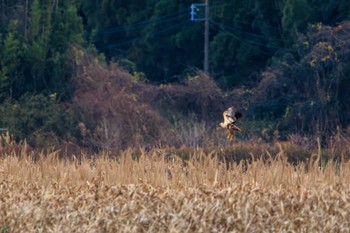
x=54 y=27
x=10 y=54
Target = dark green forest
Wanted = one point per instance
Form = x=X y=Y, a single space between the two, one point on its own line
x=112 y=74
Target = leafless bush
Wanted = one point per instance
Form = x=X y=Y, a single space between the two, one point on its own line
x=114 y=109
x=199 y=95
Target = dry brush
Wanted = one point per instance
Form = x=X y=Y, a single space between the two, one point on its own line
x=157 y=191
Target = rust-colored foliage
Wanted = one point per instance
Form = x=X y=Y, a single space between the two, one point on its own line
x=199 y=95
x=115 y=111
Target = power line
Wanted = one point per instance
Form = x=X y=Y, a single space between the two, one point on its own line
x=171 y=17
x=142 y=38
x=239 y=39
x=170 y=28
x=161 y=19
x=235 y=20
x=219 y=7
x=249 y=33
x=223 y=28
x=176 y=16
x=126 y=28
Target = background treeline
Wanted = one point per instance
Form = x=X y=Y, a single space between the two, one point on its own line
x=110 y=74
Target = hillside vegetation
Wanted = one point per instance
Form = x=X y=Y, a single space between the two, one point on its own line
x=108 y=124
x=111 y=75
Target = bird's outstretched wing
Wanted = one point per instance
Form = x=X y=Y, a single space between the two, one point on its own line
x=233 y=114
x=230 y=118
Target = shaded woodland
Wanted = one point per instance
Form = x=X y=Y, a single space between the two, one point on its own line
x=107 y=75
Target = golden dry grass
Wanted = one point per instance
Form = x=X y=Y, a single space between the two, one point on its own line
x=157 y=193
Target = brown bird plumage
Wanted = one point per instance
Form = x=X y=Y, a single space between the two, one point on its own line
x=230 y=118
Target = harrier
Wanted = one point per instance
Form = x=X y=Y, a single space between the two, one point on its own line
x=230 y=119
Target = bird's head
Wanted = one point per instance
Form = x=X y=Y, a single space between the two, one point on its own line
x=238 y=115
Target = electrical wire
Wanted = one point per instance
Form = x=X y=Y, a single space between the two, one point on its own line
x=231 y=20
x=239 y=39
x=161 y=19
x=143 y=38
x=223 y=28
x=219 y=7
x=251 y=34
x=126 y=28
x=175 y=16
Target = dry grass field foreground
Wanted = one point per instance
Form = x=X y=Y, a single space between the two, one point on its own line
x=157 y=193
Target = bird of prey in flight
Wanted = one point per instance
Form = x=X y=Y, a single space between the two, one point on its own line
x=230 y=118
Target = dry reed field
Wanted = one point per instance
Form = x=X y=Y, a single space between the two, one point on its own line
x=156 y=193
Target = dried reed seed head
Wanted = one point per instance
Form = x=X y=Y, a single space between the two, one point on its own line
x=202 y=194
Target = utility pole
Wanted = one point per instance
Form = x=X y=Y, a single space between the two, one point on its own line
x=206 y=38
x=195 y=8
x=2 y=13
x=26 y=21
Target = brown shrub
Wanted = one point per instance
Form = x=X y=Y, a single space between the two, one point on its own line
x=199 y=96
x=114 y=110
